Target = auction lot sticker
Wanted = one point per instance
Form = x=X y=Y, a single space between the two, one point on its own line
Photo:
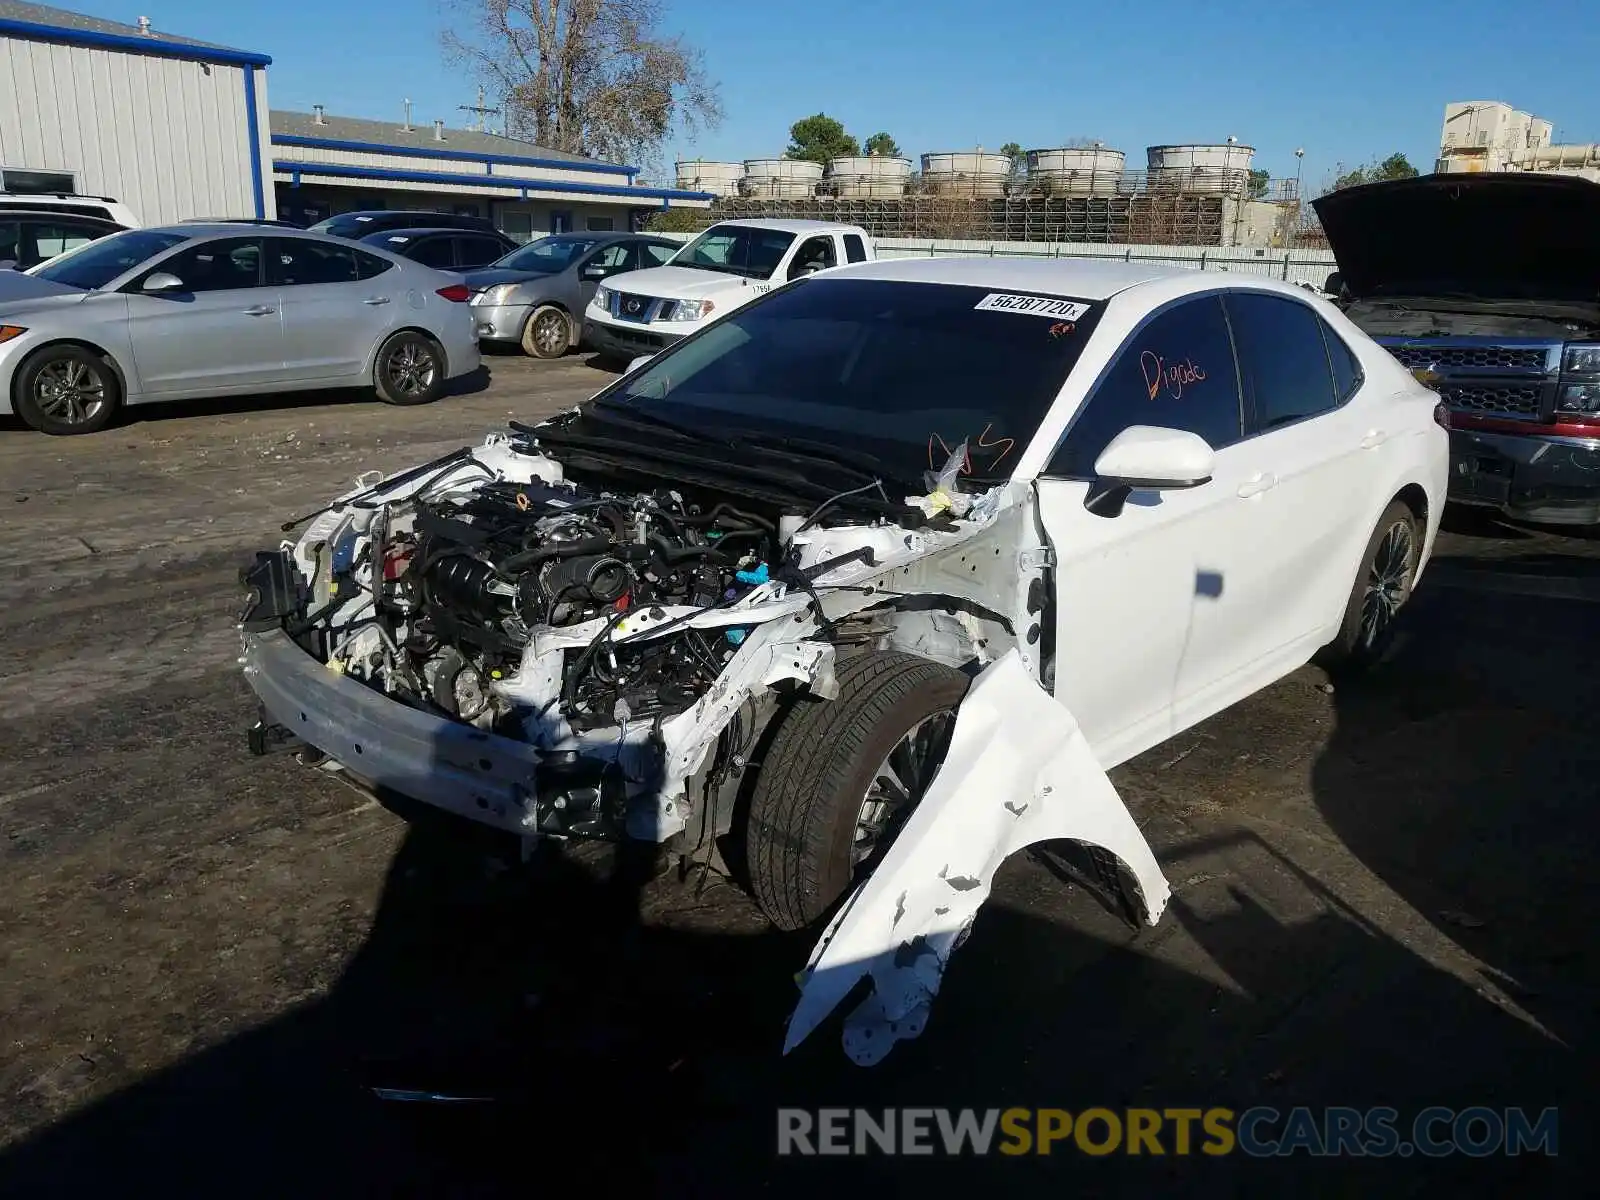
x=1033 y=306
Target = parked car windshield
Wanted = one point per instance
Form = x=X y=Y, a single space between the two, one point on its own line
x=99 y=262
x=904 y=372
x=747 y=250
x=548 y=256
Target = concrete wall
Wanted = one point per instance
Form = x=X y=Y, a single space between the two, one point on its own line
x=168 y=137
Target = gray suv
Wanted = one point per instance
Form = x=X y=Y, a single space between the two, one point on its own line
x=536 y=295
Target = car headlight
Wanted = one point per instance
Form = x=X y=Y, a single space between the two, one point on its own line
x=691 y=310
x=1578 y=398
x=602 y=299
x=1581 y=360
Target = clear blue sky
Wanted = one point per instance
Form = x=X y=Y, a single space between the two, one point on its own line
x=1346 y=80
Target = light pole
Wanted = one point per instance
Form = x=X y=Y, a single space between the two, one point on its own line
x=1299 y=164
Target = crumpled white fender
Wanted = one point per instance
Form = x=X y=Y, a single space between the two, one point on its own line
x=1019 y=771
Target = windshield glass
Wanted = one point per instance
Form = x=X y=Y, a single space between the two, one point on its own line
x=546 y=256
x=736 y=250
x=903 y=372
x=96 y=264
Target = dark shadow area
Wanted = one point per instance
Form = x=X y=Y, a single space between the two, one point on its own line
x=606 y=364
x=603 y=1019
x=469 y=384
x=1465 y=774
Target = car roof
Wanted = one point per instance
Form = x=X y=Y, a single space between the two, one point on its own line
x=420 y=231
x=1086 y=278
x=207 y=229
x=55 y=214
x=787 y=226
x=403 y=212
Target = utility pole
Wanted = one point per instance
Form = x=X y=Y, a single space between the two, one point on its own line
x=479 y=112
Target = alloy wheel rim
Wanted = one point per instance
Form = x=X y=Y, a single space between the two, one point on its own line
x=547 y=331
x=1388 y=582
x=411 y=369
x=71 y=391
x=898 y=785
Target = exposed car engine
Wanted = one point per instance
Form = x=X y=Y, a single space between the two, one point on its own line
x=468 y=579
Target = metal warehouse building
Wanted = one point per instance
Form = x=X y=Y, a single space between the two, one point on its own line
x=176 y=128
x=171 y=127
x=325 y=164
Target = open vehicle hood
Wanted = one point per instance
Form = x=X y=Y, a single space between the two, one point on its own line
x=682 y=283
x=1479 y=236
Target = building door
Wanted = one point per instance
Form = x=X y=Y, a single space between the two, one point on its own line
x=560 y=220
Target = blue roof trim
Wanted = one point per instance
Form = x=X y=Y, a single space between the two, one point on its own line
x=509 y=160
x=340 y=170
x=138 y=44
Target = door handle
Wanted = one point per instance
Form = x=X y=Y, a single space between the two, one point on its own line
x=1261 y=481
x=260 y=310
x=376 y=300
x=1374 y=438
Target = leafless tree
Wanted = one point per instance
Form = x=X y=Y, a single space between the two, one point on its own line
x=594 y=77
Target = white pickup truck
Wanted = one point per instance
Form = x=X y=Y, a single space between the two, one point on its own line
x=727 y=266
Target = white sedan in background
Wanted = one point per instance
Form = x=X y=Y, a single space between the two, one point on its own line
x=199 y=310
x=875 y=577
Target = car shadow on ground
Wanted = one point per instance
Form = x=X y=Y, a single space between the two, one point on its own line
x=470 y=384
x=612 y=1025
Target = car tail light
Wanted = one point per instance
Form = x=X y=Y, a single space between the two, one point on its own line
x=1441 y=415
x=456 y=293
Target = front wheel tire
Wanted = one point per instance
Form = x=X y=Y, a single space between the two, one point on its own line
x=841 y=777
x=548 y=333
x=64 y=390
x=409 y=370
x=1382 y=587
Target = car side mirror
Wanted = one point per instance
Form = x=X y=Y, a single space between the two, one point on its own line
x=1147 y=458
x=162 y=281
x=594 y=271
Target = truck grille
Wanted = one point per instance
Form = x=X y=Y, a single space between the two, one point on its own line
x=1470 y=358
x=1510 y=399
x=634 y=308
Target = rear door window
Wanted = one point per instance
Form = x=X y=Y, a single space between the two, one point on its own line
x=1347 y=373
x=855 y=249
x=1283 y=360
x=475 y=250
x=51 y=238
x=652 y=254
x=436 y=252
x=296 y=262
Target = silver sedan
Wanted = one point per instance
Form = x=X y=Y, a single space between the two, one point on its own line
x=195 y=310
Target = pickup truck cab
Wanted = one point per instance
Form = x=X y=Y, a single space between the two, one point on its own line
x=640 y=312
x=1487 y=287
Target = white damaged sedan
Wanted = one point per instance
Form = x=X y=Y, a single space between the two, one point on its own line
x=866 y=586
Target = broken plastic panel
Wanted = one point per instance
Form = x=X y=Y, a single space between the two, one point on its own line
x=1019 y=771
